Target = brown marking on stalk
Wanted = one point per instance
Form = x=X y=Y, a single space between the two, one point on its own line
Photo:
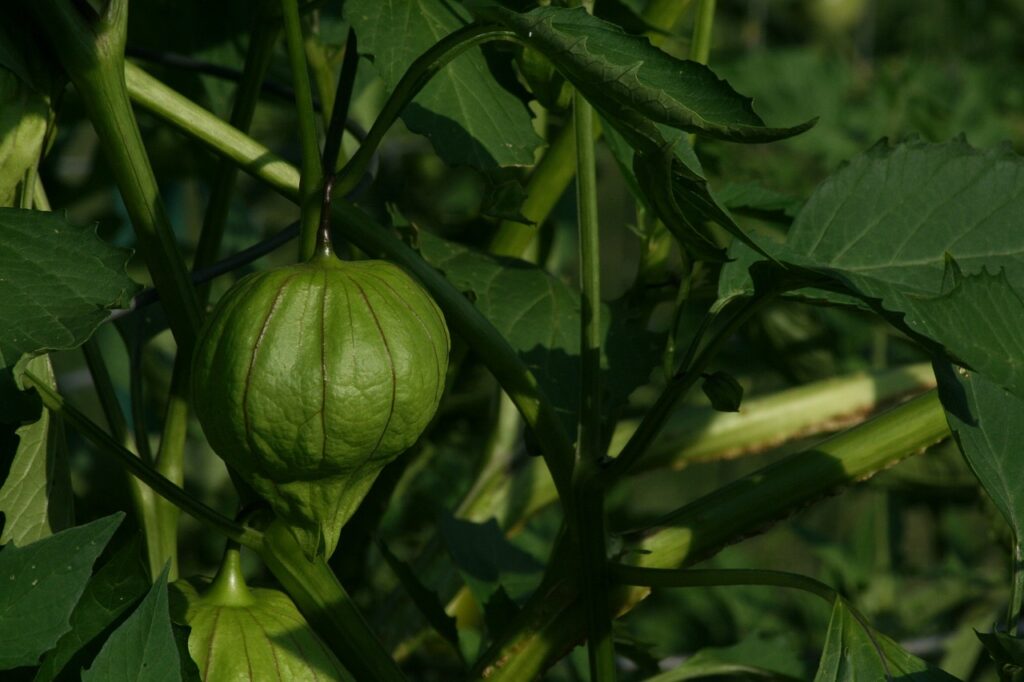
x=252 y=359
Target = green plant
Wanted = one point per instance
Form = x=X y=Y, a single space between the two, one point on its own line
x=476 y=506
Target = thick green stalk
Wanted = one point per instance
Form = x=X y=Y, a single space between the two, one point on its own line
x=1013 y=612
x=309 y=184
x=553 y=173
x=547 y=183
x=374 y=239
x=144 y=472
x=227 y=140
x=588 y=520
x=702 y=434
x=704 y=22
x=92 y=53
x=553 y=622
x=328 y=607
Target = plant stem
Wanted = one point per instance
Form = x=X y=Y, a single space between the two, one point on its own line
x=1013 y=613
x=339 y=112
x=715 y=577
x=703 y=24
x=329 y=608
x=588 y=498
x=246 y=153
x=320 y=66
x=464 y=318
x=553 y=621
x=142 y=496
x=170 y=458
x=135 y=466
x=92 y=53
x=547 y=183
x=684 y=379
x=416 y=76
x=551 y=176
x=257 y=61
x=309 y=182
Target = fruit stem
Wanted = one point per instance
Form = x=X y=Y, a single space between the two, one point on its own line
x=228 y=587
x=323 y=236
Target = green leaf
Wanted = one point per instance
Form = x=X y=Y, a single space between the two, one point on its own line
x=25 y=100
x=915 y=231
x=986 y=422
x=58 y=283
x=40 y=584
x=469 y=118
x=854 y=653
x=758 y=658
x=724 y=392
x=117 y=586
x=539 y=315
x=36 y=498
x=426 y=600
x=487 y=561
x=617 y=71
x=1005 y=650
x=143 y=649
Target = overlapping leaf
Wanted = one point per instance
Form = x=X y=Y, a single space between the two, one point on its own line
x=539 y=316
x=618 y=71
x=58 y=282
x=143 y=649
x=463 y=110
x=853 y=654
x=930 y=235
x=36 y=498
x=114 y=589
x=988 y=424
x=41 y=584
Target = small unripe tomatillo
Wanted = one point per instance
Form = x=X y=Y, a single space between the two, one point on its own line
x=308 y=379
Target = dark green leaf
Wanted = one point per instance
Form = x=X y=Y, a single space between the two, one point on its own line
x=499 y=611
x=1006 y=650
x=143 y=649
x=40 y=584
x=504 y=201
x=426 y=600
x=116 y=587
x=468 y=117
x=755 y=199
x=616 y=71
x=724 y=392
x=58 y=284
x=539 y=315
x=855 y=654
x=930 y=235
x=486 y=560
x=988 y=424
